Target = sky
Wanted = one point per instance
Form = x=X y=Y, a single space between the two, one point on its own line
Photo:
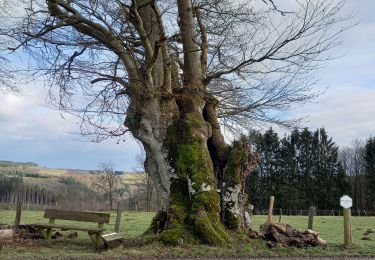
x=29 y=131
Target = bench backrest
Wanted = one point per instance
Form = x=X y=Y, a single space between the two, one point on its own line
x=85 y=216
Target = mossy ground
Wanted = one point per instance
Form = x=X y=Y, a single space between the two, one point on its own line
x=134 y=224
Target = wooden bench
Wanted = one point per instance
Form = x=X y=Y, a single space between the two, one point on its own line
x=84 y=216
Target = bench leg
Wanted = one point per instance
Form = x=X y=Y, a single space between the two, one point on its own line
x=95 y=237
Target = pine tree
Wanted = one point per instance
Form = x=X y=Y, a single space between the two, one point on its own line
x=300 y=170
x=290 y=186
x=328 y=171
x=370 y=171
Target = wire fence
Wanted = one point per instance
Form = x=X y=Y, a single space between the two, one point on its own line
x=322 y=212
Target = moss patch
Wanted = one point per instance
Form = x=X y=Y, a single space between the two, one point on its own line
x=192 y=215
x=236 y=157
x=193 y=161
x=230 y=220
x=208 y=200
x=232 y=179
x=172 y=236
x=209 y=230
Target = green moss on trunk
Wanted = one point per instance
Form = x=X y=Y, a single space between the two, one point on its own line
x=232 y=182
x=194 y=206
x=233 y=169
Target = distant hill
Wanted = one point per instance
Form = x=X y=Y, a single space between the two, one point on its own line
x=32 y=172
x=25 y=165
x=17 y=164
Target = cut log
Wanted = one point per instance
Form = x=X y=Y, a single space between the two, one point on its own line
x=113 y=240
x=6 y=234
x=281 y=235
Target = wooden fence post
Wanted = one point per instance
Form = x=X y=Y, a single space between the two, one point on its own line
x=281 y=215
x=118 y=217
x=311 y=217
x=347 y=228
x=270 y=208
x=17 y=220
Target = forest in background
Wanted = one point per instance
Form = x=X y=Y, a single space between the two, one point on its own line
x=39 y=187
x=307 y=168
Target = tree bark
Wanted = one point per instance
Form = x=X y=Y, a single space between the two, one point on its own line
x=198 y=176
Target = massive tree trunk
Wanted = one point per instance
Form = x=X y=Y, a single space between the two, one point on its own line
x=197 y=174
x=200 y=178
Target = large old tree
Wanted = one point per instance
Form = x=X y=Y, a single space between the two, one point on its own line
x=175 y=74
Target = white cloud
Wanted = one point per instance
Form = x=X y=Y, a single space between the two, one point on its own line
x=23 y=117
x=347 y=109
x=346 y=113
x=30 y=131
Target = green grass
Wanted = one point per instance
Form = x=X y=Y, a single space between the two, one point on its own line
x=133 y=224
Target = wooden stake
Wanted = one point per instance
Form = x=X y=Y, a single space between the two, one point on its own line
x=311 y=217
x=347 y=228
x=281 y=215
x=17 y=220
x=118 y=218
x=270 y=208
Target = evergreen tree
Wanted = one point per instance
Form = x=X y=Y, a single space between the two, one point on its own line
x=329 y=178
x=370 y=171
x=265 y=180
x=306 y=164
x=290 y=187
x=300 y=170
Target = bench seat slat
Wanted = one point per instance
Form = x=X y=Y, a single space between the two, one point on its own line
x=68 y=227
x=97 y=217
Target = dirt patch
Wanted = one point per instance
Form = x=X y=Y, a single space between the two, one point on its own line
x=368 y=232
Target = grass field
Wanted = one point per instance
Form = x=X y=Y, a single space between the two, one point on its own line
x=134 y=224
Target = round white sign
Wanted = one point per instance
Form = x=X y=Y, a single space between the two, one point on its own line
x=346 y=202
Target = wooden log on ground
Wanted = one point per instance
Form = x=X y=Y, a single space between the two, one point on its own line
x=113 y=240
x=6 y=235
x=281 y=235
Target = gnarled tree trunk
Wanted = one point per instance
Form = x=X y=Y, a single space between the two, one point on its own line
x=197 y=173
x=199 y=176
